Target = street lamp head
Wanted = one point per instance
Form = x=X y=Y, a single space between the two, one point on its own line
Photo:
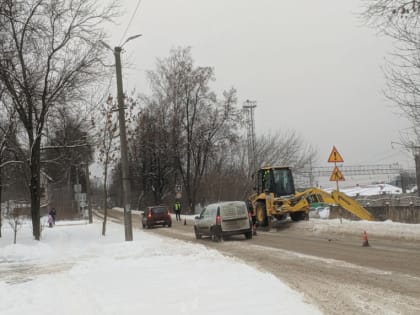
x=131 y=38
x=105 y=45
x=119 y=48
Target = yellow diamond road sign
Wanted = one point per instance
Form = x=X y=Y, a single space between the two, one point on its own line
x=335 y=157
x=336 y=175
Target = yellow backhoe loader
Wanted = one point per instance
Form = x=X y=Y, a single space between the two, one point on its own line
x=275 y=197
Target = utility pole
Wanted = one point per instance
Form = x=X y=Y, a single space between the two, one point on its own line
x=128 y=228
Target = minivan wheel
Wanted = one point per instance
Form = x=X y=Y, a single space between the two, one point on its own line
x=248 y=235
x=215 y=236
x=197 y=234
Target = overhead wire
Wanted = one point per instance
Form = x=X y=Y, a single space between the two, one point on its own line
x=129 y=23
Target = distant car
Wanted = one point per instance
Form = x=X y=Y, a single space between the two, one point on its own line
x=156 y=215
x=223 y=219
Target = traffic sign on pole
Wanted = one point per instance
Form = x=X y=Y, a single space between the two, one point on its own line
x=336 y=175
x=335 y=157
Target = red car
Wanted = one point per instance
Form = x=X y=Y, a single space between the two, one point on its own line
x=156 y=215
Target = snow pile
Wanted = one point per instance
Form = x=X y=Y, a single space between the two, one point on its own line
x=74 y=270
x=385 y=229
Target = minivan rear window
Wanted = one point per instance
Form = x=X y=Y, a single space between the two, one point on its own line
x=234 y=209
x=158 y=210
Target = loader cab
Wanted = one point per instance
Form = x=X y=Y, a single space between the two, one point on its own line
x=278 y=180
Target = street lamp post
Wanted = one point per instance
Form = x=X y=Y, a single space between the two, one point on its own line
x=128 y=227
x=123 y=142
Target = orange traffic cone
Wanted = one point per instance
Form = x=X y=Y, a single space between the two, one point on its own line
x=365 y=242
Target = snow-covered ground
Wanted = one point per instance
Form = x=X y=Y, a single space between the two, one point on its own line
x=74 y=270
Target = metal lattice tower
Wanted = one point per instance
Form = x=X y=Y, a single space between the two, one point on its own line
x=249 y=110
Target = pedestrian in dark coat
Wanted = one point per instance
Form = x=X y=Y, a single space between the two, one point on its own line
x=52 y=213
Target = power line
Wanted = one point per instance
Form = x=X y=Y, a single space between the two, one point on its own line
x=129 y=23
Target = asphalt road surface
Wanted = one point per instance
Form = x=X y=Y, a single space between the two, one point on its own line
x=334 y=271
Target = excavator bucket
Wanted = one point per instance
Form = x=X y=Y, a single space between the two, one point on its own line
x=351 y=205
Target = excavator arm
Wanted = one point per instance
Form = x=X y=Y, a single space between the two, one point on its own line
x=351 y=205
x=304 y=198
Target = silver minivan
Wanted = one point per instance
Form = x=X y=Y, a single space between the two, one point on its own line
x=222 y=219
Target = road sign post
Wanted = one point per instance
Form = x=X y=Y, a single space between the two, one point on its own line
x=335 y=158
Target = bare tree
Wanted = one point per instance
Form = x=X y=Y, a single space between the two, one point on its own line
x=51 y=54
x=283 y=148
x=8 y=129
x=227 y=175
x=395 y=18
x=107 y=146
x=16 y=217
x=400 y=20
x=199 y=121
x=106 y=124
x=67 y=151
x=151 y=160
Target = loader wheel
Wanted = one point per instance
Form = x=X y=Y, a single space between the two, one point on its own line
x=197 y=234
x=298 y=216
x=261 y=214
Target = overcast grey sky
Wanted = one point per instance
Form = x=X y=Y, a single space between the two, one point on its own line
x=311 y=66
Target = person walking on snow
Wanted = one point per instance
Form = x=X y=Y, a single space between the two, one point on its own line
x=50 y=221
x=52 y=213
x=177 y=210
